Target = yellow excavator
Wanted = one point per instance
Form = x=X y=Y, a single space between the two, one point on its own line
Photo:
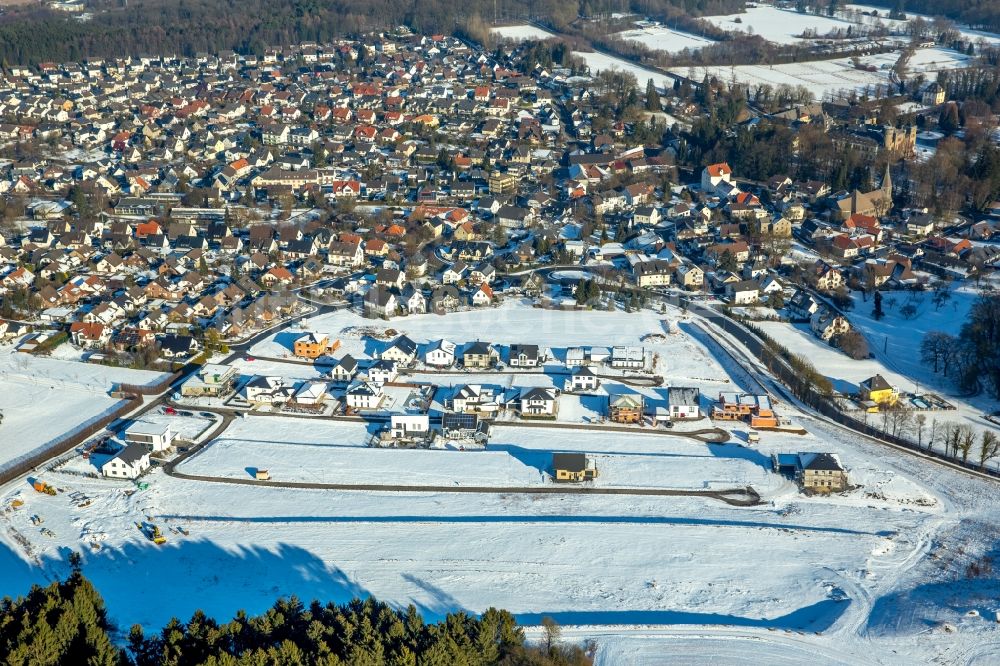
x=152 y=533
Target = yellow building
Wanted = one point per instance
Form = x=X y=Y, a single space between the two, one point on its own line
x=502 y=183
x=877 y=390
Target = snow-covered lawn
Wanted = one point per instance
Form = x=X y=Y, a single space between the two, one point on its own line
x=782 y=26
x=662 y=38
x=45 y=398
x=520 y=33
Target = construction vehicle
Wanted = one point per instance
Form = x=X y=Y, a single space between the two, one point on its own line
x=152 y=532
x=16 y=504
x=42 y=487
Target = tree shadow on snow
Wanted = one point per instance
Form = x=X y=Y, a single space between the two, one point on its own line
x=817 y=617
x=146 y=584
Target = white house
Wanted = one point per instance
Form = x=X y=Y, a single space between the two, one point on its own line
x=476 y=398
x=714 y=174
x=538 y=402
x=440 y=354
x=684 y=402
x=310 y=393
x=262 y=390
x=524 y=356
x=632 y=358
x=383 y=371
x=151 y=436
x=345 y=370
x=409 y=426
x=364 y=395
x=128 y=463
x=581 y=380
x=403 y=351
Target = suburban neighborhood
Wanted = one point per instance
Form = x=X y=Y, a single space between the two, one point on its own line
x=459 y=327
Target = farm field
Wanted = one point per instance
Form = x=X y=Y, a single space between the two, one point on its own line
x=599 y=62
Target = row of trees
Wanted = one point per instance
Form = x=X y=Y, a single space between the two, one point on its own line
x=970 y=359
x=67 y=623
x=959 y=440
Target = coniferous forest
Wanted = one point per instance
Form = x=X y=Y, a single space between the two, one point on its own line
x=67 y=623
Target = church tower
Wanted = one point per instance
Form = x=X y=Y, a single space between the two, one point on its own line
x=887 y=184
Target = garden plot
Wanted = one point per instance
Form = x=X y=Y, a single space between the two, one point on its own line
x=662 y=38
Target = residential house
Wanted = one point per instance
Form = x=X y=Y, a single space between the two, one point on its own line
x=581 y=380
x=152 y=437
x=684 y=402
x=537 y=402
x=480 y=355
x=129 y=463
x=440 y=354
x=573 y=467
x=363 y=395
x=403 y=350
x=625 y=408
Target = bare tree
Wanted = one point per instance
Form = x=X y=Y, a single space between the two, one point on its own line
x=919 y=423
x=964 y=440
x=933 y=434
x=989 y=447
x=552 y=632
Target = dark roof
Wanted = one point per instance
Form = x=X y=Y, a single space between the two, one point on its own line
x=877 y=383
x=131 y=453
x=478 y=348
x=571 y=462
x=820 y=461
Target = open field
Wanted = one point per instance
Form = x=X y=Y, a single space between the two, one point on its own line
x=599 y=62
x=520 y=33
x=782 y=26
x=662 y=38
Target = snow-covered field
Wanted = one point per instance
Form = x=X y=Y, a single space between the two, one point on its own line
x=829 y=76
x=782 y=26
x=45 y=398
x=868 y=576
x=662 y=38
x=335 y=453
x=599 y=62
x=520 y=33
